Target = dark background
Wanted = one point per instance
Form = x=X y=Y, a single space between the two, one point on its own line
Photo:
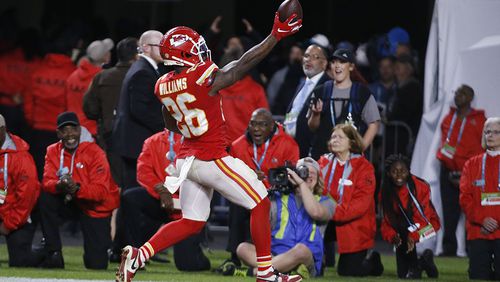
x=355 y=20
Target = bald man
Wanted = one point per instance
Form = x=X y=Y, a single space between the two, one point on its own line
x=138 y=116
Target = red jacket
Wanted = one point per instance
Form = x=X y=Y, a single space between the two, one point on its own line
x=238 y=103
x=355 y=213
x=76 y=86
x=98 y=195
x=470 y=144
x=423 y=194
x=45 y=98
x=470 y=195
x=152 y=163
x=282 y=147
x=14 y=72
x=23 y=186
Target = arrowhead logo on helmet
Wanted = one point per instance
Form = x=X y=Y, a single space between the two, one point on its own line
x=182 y=46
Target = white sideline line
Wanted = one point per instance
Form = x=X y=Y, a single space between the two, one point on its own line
x=24 y=279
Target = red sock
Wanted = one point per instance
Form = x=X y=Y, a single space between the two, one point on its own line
x=260 y=227
x=173 y=232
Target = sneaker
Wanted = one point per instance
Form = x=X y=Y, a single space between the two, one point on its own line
x=414 y=273
x=53 y=260
x=129 y=264
x=227 y=269
x=427 y=264
x=220 y=269
x=275 y=276
x=375 y=262
x=303 y=271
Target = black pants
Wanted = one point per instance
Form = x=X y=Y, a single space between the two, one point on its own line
x=96 y=231
x=19 y=246
x=144 y=216
x=129 y=173
x=451 y=212
x=353 y=264
x=239 y=227
x=40 y=140
x=405 y=261
x=329 y=244
x=484 y=259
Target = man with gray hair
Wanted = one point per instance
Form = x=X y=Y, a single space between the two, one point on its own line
x=19 y=190
x=98 y=54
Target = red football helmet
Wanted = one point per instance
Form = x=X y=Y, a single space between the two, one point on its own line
x=182 y=46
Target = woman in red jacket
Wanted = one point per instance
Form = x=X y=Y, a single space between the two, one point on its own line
x=409 y=218
x=350 y=180
x=480 y=201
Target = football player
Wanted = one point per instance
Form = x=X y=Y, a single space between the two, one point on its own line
x=192 y=107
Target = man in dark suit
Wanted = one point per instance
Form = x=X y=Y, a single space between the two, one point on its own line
x=139 y=111
x=314 y=64
x=138 y=117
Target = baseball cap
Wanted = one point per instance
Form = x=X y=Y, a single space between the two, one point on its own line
x=97 y=49
x=67 y=118
x=308 y=160
x=2 y=121
x=344 y=54
x=321 y=40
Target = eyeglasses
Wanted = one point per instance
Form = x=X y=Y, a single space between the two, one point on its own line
x=150 y=44
x=313 y=57
x=491 y=132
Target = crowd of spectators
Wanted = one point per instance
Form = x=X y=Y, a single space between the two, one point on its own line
x=96 y=150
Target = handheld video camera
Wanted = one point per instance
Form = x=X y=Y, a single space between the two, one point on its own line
x=278 y=178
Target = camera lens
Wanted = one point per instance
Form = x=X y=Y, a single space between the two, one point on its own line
x=303 y=172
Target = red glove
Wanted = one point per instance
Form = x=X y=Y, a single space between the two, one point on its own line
x=286 y=28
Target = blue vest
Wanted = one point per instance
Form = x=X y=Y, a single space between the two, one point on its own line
x=293 y=226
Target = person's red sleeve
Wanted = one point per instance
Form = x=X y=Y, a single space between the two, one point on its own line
x=362 y=197
x=386 y=230
x=50 y=170
x=147 y=176
x=472 y=213
x=97 y=188
x=26 y=191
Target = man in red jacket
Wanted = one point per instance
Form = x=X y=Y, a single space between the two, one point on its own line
x=77 y=183
x=19 y=191
x=98 y=54
x=44 y=98
x=265 y=145
x=460 y=140
x=146 y=208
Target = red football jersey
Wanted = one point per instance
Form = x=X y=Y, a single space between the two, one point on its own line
x=199 y=116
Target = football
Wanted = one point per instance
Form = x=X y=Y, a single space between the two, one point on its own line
x=289 y=7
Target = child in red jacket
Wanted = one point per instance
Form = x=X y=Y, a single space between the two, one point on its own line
x=409 y=218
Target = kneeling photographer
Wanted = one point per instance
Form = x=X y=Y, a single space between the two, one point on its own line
x=298 y=217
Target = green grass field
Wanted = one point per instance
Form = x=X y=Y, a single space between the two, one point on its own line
x=450 y=269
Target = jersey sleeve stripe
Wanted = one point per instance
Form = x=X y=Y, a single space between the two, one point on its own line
x=206 y=74
x=238 y=179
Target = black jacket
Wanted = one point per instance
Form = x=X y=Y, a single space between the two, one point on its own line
x=139 y=111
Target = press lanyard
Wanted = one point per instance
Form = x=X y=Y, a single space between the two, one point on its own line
x=259 y=162
x=61 y=162
x=483 y=178
x=5 y=174
x=453 y=120
x=332 y=112
x=340 y=189
x=171 y=152
x=417 y=204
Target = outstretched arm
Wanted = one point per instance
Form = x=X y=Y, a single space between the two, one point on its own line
x=235 y=70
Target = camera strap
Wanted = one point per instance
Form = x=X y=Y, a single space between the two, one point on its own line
x=258 y=162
